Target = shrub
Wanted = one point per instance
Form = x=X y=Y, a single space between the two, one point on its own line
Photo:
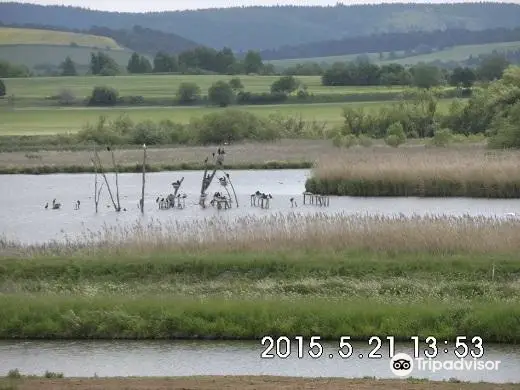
x=188 y=93
x=349 y=140
x=395 y=135
x=103 y=96
x=220 y=93
x=229 y=126
x=236 y=84
x=14 y=374
x=66 y=97
x=442 y=138
x=247 y=98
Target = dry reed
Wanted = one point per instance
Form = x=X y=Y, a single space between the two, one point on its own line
x=319 y=232
x=454 y=164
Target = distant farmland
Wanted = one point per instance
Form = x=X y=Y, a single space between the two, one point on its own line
x=455 y=53
x=32 y=55
x=27 y=36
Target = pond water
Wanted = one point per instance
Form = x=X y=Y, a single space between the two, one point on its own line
x=24 y=218
x=184 y=358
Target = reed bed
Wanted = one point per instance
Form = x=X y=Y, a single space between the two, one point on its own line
x=433 y=172
x=320 y=274
x=279 y=232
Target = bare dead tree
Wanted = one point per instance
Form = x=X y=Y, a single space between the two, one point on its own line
x=206 y=182
x=99 y=165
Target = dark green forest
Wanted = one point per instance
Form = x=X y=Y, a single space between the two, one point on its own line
x=262 y=28
x=419 y=42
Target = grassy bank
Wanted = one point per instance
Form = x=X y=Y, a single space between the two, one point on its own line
x=275 y=275
x=434 y=172
x=244 y=383
x=53 y=120
x=295 y=153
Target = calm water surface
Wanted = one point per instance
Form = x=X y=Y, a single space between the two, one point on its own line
x=23 y=217
x=175 y=358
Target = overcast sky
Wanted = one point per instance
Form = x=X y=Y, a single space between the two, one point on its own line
x=163 y=5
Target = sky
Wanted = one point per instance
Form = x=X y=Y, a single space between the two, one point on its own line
x=173 y=5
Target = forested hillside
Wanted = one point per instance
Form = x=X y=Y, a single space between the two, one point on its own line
x=271 y=27
x=421 y=42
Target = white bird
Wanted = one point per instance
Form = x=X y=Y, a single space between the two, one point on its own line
x=144 y=146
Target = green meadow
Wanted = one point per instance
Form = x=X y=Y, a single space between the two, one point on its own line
x=65 y=120
x=162 y=85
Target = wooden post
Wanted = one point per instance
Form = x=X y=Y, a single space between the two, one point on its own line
x=144 y=179
x=95 y=183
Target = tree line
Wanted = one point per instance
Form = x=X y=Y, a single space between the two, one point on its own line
x=411 y=43
x=200 y=59
x=364 y=73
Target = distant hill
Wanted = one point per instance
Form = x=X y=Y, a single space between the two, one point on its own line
x=139 y=39
x=271 y=27
x=43 y=50
x=26 y=36
x=421 y=42
x=459 y=54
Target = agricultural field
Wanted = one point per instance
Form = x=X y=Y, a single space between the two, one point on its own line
x=456 y=53
x=66 y=120
x=27 y=36
x=162 y=85
x=34 y=55
x=32 y=47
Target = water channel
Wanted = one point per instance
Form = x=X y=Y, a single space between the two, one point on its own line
x=185 y=358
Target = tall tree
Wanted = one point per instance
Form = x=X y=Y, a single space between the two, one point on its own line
x=252 y=62
x=134 y=63
x=68 y=68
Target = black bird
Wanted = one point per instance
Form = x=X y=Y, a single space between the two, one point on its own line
x=157 y=200
x=222 y=151
x=218 y=151
x=47 y=205
x=108 y=148
x=206 y=161
x=227 y=175
x=213 y=154
x=270 y=196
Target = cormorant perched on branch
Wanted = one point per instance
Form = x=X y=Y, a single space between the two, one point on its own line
x=108 y=148
x=213 y=154
x=218 y=151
